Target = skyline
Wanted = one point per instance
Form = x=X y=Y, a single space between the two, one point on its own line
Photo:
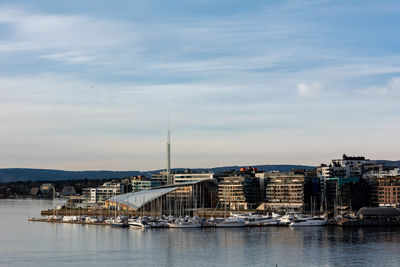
x=89 y=85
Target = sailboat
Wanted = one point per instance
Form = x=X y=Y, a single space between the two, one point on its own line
x=230 y=221
x=118 y=221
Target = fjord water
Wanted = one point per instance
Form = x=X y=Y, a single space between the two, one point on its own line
x=24 y=243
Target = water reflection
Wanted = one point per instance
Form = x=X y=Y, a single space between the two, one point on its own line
x=44 y=244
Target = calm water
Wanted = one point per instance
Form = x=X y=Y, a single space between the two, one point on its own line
x=24 y=243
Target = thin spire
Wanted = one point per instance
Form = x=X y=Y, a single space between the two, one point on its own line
x=168 y=154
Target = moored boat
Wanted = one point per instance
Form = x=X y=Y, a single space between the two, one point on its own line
x=230 y=222
x=316 y=221
x=137 y=223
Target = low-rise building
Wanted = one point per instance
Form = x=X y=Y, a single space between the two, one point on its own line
x=68 y=190
x=382 y=213
x=47 y=190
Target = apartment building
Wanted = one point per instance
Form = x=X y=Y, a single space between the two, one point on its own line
x=239 y=192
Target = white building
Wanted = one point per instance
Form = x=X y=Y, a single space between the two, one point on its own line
x=191 y=176
x=344 y=167
x=99 y=195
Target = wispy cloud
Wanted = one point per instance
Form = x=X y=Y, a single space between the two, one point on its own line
x=389 y=89
x=309 y=89
x=62 y=37
x=73 y=57
x=103 y=79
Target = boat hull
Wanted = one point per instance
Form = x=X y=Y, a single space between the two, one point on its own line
x=308 y=223
x=229 y=225
x=174 y=225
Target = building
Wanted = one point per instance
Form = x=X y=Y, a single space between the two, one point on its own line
x=337 y=193
x=160 y=177
x=239 y=192
x=385 y=191
x=100 y=194
x=285 y=190
x=175 y=199
x=140 y=183
x=35 y=191
x=68 y=190
x=47 y=190
x=380 y=171
x=180 y=176
x=190 y=176
x=382 y=213
x=344 y=167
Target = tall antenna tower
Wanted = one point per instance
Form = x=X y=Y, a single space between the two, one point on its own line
x=169 y=156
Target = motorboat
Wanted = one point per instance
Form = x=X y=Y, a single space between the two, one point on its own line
x=261 y=221
x=310 y=221
x=186 y=222
x=230 y=222
x=184 y=225
x=54 y=218
x=91 y=219
x=285 y=219
x=136 y=223
x=158 y=224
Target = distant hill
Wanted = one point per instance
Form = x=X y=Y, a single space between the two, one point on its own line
x=389 y=162
x=22 y=174
x=282 y=168
x=15 y=175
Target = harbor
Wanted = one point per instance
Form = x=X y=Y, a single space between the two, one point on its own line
x=104 y=245
x=365 y=217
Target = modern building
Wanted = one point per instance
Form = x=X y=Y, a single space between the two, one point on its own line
x=336 y=193
x=99 y=195
x=385 y=191
x=285 y=190
x=180 y=176
x=160 y=177
x=381 y=171
x=68 y=190
x=190 y=176
x=140 y=183
x=344 y=167
x=239 y=192
x=47 y=190
x=382 y=213
x=177 y=199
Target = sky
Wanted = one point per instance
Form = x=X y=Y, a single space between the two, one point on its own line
x=91 y=85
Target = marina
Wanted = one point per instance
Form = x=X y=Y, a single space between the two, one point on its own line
x=365 y=217
x=83 y=244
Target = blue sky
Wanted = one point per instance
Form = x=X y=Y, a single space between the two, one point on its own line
x=90 y=85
